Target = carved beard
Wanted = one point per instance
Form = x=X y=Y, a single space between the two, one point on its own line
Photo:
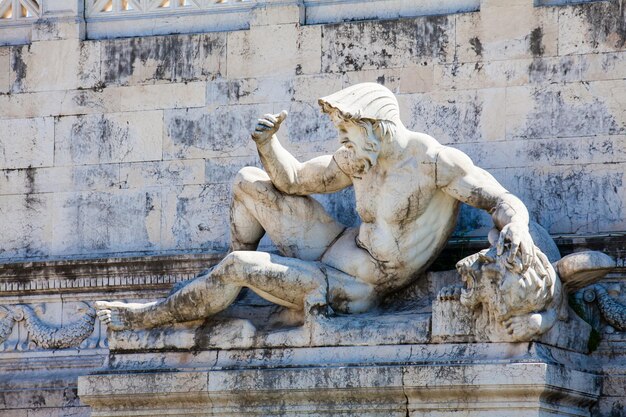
x=359 y=163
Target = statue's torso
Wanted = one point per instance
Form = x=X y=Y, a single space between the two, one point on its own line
x=406 y=218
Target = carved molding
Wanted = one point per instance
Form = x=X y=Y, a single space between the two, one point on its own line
x=149 y=272
x=116 y=8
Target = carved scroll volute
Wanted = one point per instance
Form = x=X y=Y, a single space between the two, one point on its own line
x=610 y=309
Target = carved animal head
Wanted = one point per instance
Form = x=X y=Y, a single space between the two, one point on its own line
x=502 y=288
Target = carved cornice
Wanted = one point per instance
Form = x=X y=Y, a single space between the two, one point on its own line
x=160 y=272
x=147 y=272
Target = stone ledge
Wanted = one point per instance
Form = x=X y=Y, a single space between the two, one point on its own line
x=416 y=380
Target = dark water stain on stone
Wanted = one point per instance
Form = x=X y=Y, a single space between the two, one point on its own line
x=19 y=67
x=452 y=120
x=536 y=39
x=552 y=151
x=172 y=58
x=606 y=22
x=383 y=44
x=477 y=46
x=149 y=204
x=542 y=70
x=31 y=200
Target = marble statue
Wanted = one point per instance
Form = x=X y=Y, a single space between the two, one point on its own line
x=408 y=189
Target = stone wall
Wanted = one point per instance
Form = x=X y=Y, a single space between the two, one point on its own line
x=115 y=146
x=128 y=145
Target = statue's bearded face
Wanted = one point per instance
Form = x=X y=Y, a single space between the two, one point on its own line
x=361 y=140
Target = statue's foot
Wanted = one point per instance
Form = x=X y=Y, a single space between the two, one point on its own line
x=118 y=315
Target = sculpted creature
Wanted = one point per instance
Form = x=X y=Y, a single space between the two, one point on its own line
x=512 y=304
x=408 y=189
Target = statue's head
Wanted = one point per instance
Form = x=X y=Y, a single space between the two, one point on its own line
x=503 y=288
x=366 y=116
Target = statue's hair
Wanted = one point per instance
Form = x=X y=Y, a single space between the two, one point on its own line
x=382 y=130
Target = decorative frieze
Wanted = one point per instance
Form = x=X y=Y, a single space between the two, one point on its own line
x=155 y=272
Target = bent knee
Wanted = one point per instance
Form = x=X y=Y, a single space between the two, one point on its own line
x=244 y=260
x=249 y=175
x=254 y=182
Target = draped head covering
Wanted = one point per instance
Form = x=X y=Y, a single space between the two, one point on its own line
x=364 y=101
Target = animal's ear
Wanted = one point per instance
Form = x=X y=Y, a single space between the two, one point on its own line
x=583 y=268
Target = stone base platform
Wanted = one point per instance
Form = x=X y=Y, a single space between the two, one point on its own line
x=487 y=380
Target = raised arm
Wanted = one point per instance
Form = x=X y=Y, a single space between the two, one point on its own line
x=459 y=177
x=316 y=176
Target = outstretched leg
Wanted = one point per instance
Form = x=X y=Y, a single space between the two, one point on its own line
x=285 y=281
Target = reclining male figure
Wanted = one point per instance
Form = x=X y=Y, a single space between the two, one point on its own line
x=407 y=185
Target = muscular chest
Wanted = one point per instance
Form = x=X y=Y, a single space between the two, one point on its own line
x=394 y=195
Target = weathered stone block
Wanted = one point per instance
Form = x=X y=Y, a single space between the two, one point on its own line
x=69 y=64
x=605 y=149
x=26 y=143
x=249 y=90
x=311 y=87
x=160 y=173
x=379 y=44
x=223 y=170
x=97 y=222
x=483 y=74
x=115 y=137
x=592 y=27
x=161 y=96
x=573 y=109
x=193 y=217
x=163 y=58
x=604 y=66
x=457 y=116
x=295 y=50
x=529 y=32
x=60 y=103
x=27 y=229
x=198 y=133
x=405 y=80
x=60 y=179
x=596 y=196
x=307 y=130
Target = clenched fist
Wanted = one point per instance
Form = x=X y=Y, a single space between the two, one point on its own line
x=267 y=126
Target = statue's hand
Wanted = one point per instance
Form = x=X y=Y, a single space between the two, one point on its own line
x=518 y=236
x=267 y=126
